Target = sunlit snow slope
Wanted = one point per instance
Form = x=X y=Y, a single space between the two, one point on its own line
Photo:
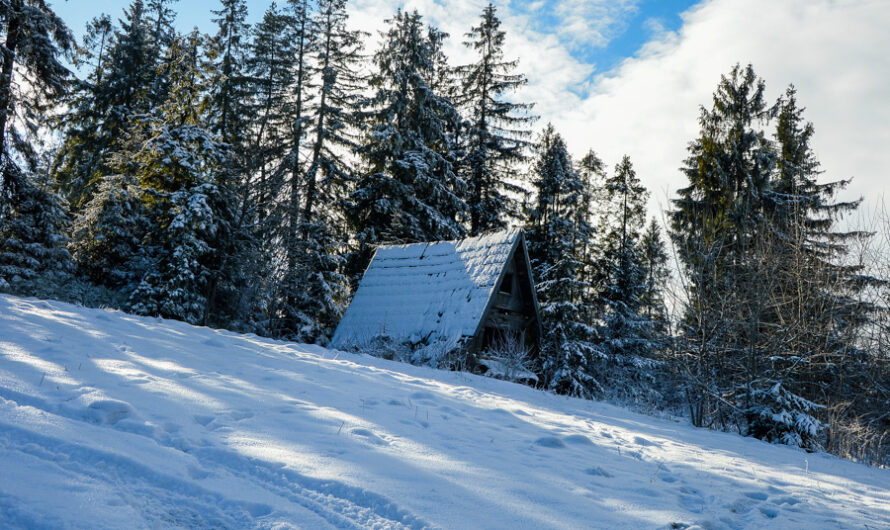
x=114 y=421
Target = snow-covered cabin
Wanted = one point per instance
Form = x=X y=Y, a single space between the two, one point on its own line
x=476 y=290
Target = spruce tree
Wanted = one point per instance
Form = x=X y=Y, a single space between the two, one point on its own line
x=270 y=67
x=408 y=190
x=31 y=216
x=238 y=257
x=553 y=228
x=653 y=306
x=319 y=288
x=625 y=330
x=771 y=296
x=718 y=227
x=79 y=161
x=115 y=95
x=176 y=168
x=496 y=137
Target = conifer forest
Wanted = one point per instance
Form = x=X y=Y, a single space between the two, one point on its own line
x=242 y=179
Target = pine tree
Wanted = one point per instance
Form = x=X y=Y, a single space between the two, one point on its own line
x=625 y=330
x=160 y=34
x=497 y=135
x=815 y=309
x=270 y=66
x=176 y=168
x=718 y=226
x=772 y=300
x=408 y=191
x=31 y=216
x=79 y=160
x=592 y=171
x=238 y=257
x=227 y=53
x=653 y=306
x=115 y=95
x=318 y=286
x=552 y=232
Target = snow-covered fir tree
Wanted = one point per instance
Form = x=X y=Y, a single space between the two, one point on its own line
x=226 y=111
x=717 y=225
x=496 y=137
x=653 y=306
x=627 y=336
x=32 y=217
x=176 y=168
x=552 y=229
x=318 y=286
x=116 y=93
x=408 y=190
x=625 y=331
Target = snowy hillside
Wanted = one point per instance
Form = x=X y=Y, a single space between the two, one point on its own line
x=114 y=421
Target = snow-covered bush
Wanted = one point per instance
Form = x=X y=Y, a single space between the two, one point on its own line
x=509 y=359
x=780 y=416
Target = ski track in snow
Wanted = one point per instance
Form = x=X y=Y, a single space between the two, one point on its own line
x=109 y=420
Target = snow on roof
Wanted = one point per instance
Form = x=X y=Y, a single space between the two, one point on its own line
x=438 y=290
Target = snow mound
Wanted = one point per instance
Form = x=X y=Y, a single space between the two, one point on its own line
x=114 y=421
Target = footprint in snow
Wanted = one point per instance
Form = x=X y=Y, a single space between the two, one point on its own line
x=756 y=495
x=422 y=395
x=368 y=436
x=550 y=441
x=791 y=501
x=692 y=500
x=198 y=473
x=239 y=415
x=108 y=411
x=639 y=440
x=598 y=472
x=203 y=420
x=577 y=439
x=769 y=513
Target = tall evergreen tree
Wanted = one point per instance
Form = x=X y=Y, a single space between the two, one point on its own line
x=815 y=307
x=287 y=317
x=316 y=244
x=592 y=171
x=771 y=297
x=409 y=190
x=716 y=223
x=626 y=332
x=238 y=256
x=227 y=53
x=653 y=306
x=116 y=93
x=270 y=66
x=31 y=216
x=80 y=156
x=176 y=168
x=553 y=229
x=496 y=138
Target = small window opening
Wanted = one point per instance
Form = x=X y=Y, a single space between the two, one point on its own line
x=507 y=284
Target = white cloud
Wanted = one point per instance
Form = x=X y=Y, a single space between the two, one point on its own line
x=552 y=71
x=834 y=51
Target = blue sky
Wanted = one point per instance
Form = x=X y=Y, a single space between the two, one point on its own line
x=634 y=24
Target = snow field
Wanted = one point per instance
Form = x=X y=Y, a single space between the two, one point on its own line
x=111 y=421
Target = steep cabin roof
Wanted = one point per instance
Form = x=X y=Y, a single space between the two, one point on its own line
x=429 y=291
